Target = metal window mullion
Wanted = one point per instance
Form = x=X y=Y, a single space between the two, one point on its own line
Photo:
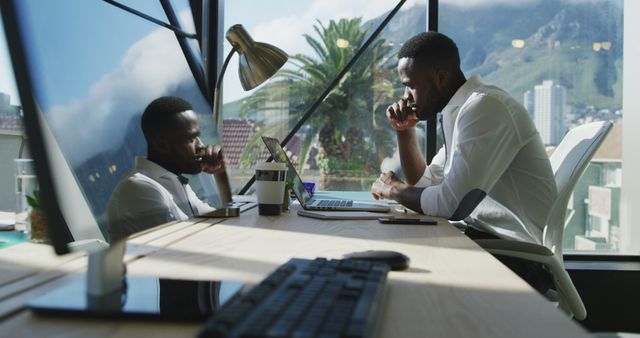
x=431 y=128
x=189 y=55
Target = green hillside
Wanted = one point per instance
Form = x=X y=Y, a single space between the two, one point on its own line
x=232 y=109
x=559 y=37
x=575 y=69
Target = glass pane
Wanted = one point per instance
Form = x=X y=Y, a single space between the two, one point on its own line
x=344 y=143
x=11 y=128
x=563 y=61
x=95 y=68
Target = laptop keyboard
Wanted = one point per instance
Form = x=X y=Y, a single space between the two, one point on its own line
x=334 y=203
x=307 y=298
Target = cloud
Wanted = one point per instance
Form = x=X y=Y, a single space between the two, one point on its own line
x=512 y=3
x=486 y=3
x=151 y=67
x=7 y=80
x=286 y=32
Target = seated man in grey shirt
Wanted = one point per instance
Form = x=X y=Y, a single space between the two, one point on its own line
x=155 y=192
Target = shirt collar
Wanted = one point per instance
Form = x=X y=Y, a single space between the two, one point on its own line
x=153 y=170
x=461 y=95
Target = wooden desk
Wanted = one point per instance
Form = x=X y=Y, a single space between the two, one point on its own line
x=453 y=288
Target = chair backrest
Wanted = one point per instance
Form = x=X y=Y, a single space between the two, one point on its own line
x=568 y=162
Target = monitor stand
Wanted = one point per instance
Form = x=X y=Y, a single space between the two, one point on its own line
x=108 y=292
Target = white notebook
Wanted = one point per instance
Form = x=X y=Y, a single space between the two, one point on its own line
x=341 y=215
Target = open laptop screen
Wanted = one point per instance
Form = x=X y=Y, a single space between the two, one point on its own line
x=279 y=155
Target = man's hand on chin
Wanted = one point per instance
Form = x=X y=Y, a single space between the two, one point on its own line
x=211 y=160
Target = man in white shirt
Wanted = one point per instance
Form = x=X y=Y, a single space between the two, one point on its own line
x=492 y=171
x=155 y=192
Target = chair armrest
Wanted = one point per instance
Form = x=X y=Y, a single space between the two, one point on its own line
x=515 y=246
x=570 y=301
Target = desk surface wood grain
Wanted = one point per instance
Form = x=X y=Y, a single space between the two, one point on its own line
x=452 y=289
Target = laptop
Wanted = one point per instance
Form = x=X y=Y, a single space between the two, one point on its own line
x=303 y=196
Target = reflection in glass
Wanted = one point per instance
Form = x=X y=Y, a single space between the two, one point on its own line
x=142 y=297
x=93 y=80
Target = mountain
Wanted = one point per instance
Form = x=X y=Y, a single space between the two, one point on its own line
x=559 y=39
x=558 y=36
x=558 y=44
x=403 y=25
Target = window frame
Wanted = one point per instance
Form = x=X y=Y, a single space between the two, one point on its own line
x=431 y=132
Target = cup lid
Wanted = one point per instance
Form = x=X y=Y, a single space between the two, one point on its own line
x=270 y=166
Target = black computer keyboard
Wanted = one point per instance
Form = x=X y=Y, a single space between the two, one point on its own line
x=307 y=298
x=335 y=203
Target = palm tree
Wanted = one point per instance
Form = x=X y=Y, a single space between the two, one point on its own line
x=343 y=122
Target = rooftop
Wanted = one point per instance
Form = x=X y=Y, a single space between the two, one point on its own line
x=11 y=122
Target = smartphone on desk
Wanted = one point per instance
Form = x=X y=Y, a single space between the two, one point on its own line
x=407 y=220
x=222 y=213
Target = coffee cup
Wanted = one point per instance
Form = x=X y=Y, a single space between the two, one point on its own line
x=270 y=185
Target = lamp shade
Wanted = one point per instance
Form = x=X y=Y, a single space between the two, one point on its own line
x=257 y=61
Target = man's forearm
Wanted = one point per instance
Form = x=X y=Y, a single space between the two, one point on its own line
x=224 y=188
x=410 y=198
x=411 y=158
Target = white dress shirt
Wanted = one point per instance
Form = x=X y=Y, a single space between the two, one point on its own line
x=150 y=195
x=491 y=145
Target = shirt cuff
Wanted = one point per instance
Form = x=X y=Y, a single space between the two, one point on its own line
x=424 y=200
x=433 y=203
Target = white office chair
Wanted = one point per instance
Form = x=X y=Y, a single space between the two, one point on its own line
x=568 y=162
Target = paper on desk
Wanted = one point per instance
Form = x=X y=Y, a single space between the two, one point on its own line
x=340 y=215
x=7 y=224
x=7 y=220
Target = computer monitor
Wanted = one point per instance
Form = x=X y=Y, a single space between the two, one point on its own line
x=83 y=83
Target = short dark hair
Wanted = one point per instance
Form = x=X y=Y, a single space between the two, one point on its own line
x=432 y=49
x=159 y=115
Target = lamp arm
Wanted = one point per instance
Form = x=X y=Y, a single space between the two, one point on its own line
x=218 y=92
x=222 y=179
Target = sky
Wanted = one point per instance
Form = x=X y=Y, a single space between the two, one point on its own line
x=101 y=65
x=7 y=82
x=278 y=22
x=95 y=71
x=105 y=39
x=282 y=23
x=97 y=66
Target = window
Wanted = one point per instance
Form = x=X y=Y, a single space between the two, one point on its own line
x=11 y=129
x=564 y=61
x=344 y=143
